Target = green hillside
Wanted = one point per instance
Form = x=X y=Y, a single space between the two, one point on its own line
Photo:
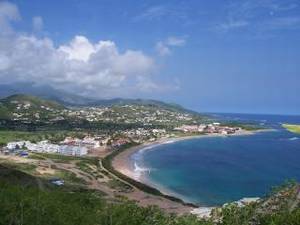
x=34 y=101
x=294 y=128
x=30 y=112
x=29 y=106
x=28 y=200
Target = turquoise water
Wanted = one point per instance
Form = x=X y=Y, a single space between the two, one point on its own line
x=213 y=170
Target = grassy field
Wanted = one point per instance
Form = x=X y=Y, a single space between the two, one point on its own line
x=7 y=136
x=292 y=128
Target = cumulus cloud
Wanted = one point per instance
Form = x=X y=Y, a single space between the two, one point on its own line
x=80 y=66
x=8 y=12
x=78 y=49
x=163 y=48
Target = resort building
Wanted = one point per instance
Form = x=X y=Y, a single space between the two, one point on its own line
x=46 y=147
x=72 y=150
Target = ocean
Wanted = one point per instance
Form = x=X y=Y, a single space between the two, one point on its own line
x=211 y=171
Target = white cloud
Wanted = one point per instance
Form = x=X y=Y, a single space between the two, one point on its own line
x=163 y=48
x=80 y=66
x=8 y=12
x=79 y=49
x=181 y=11
x=152 y=13
x=175 y=41
x=37 y=23
x=259 y=16
x=225 y=27
x=92 y=69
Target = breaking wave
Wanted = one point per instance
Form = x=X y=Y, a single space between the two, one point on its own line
x=140 y=171
x=293 y=138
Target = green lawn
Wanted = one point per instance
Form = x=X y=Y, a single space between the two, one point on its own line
x=7 y=136
x=295 y=128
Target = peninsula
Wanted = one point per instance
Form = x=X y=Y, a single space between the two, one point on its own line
x=294 y=128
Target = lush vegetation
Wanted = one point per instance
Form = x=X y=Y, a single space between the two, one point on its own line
x=28 y=105
x=35 y=101
x=30 y=113
x=292 y=128
x=29 y=205
x=32 y=206
x=25 y=199
x=250 y=126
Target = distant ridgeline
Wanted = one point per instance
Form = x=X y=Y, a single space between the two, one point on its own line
x=25 y=112
x=14 y=106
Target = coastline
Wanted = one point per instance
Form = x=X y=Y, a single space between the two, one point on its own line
x=121 y=163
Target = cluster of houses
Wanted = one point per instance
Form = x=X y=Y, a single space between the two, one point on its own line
x=141 y=134
x=88 y=141
x=22 y=113
x=208 y=128
x=127 y=114
x=80 y=147
x=119 y=142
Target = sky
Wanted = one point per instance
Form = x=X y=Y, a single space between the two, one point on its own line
x=207 y=55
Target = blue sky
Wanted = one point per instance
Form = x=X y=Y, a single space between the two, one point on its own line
x=213 y=56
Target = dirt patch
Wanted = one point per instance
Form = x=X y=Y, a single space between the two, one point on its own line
x=45 y=171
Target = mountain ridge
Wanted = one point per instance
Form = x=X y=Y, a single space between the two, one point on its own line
x=73 y=100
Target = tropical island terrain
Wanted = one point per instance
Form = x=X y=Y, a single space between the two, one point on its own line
x=130 y=112
x=294 y=128
x=58 y=165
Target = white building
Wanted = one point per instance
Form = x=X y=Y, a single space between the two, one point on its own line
x=46 y=147
x=72 y=150
x=16 y=144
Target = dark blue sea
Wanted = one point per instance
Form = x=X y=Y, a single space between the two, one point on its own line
x=211 y=171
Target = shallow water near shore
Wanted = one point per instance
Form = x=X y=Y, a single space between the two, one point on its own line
x=214 y=170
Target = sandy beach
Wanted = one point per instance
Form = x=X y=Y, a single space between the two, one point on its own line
x=122 y=163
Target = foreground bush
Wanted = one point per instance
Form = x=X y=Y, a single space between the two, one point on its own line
x=29 y=205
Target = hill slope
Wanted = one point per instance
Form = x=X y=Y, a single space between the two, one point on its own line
x=27 y=105
x=42 y=91
x=23 y=201
x=68 y=99
x=140 y=102
x=294 y=128
x=30 y=112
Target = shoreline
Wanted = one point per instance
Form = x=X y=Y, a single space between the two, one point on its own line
x=121 y=162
